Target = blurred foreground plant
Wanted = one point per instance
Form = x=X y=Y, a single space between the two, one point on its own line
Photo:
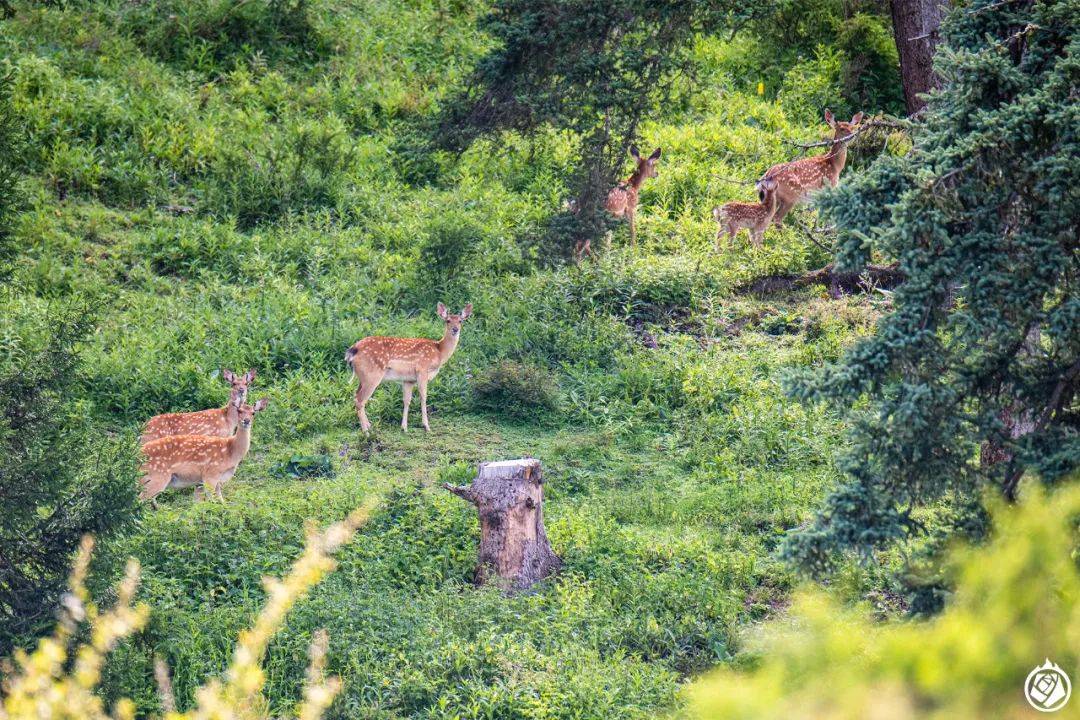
x=1017 y=603
x=44 y=684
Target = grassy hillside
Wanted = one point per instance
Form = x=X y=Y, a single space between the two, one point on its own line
x=228 y=185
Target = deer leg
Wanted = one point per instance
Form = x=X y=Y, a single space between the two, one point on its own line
x=153 y=485
x=782 y=208
x=633 y=229
x=368 y=383
x=422 y=382
x=406 y=391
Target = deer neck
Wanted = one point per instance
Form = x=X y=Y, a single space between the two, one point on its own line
x=239 y=444
x=447 y=345
x=838 y=154
x=232 y=417
x=637 y=179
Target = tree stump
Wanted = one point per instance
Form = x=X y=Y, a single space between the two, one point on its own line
x=514 y=552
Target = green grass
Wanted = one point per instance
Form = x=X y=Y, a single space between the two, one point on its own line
x=648 y=386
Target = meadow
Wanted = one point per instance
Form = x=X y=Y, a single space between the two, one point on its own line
x=232 y=185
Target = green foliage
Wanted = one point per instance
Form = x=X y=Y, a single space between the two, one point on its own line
x=593 y=68
x=825 y=53
x=11 y=150
x=981 y=349
x=304 y=467
x=246 y=186
x=1014 y=606
x=516 y=391
x=59 y=477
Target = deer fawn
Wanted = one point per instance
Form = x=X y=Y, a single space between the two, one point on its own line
x=217 y=422
x=409 y=361
x=797 y=179
x=622 y=199
x=734 y=216
x=181 y=461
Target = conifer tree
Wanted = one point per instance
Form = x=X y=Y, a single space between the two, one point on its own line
x=595 y=67
x=971 y=380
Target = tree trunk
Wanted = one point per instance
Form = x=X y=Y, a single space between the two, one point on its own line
x=915 y=29
x=514 y=551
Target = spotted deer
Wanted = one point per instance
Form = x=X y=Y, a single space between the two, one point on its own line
x=217 y=422
x=183 y=461
x=409 y=361
x=755 y=217
x=622 y=199
x=797 y=179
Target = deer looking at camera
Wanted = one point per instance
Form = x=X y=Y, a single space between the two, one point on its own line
x=217 y=422
x=734 y=216
x=409 y=361
x=183 y=461
x=622 y=200
x=795 y=180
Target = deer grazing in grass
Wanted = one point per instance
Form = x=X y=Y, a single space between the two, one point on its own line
x=217 y=422
x=409 y=361
x=182 y=461
x=797 y=179
x=622 y=200
x=755 y=217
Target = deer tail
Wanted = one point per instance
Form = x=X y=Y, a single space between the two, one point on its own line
x=718 y=213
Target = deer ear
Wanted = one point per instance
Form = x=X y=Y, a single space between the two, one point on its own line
x=441 y=309
x=829 y=119
x=655 y=154
x=634 y=153
x=857 y=118
x=770 y=184
x=466 y=311
x=228 y=375
x=260 y=405
x=249 y=375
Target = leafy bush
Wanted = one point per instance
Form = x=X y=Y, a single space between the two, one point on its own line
x=516 y=391
x=1014 y=606
x=59 y=477
x=11 y=148
x=42 y=685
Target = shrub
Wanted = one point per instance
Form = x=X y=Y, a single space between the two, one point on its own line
x=1014 y=606
x=11 y=141
x=44 y=687
x=58 y=477
x=515 y=390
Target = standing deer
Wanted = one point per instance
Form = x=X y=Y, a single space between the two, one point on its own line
x=409 y=361
x=797 y=179
x=217 y=422
x=622 y=200
x=181 y=461
x=734 y=216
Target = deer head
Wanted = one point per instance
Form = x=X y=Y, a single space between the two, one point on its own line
x=239 y=383
x=841 y=129
x=646 y=168
x=453 y=322
x=766 y=186
x=246 y=413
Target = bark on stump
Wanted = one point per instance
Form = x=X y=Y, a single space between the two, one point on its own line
x=514 y=552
